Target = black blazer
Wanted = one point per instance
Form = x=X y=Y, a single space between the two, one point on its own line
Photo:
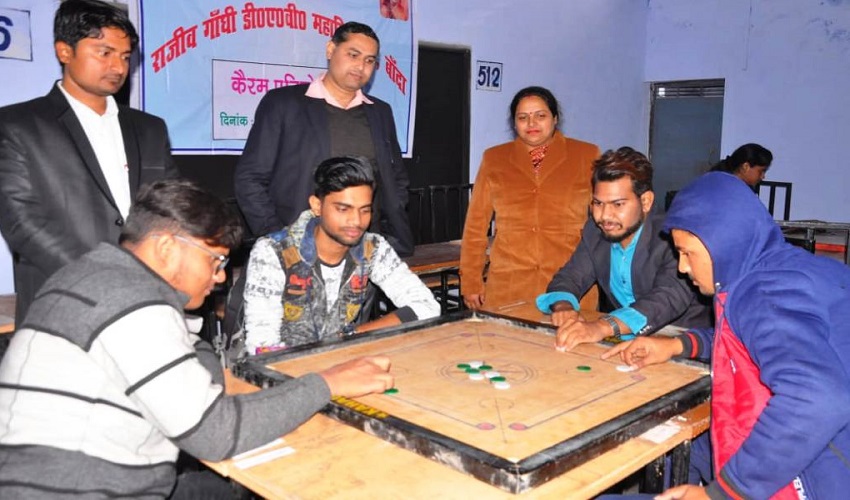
x=55 y=204
x=289 y=138
x=661 y=294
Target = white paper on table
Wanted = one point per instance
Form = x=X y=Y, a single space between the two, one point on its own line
x=270 y=444
x=661 y=433
x=264 y=457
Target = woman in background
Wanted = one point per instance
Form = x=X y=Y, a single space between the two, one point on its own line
x=749 y=163
x=538 y=187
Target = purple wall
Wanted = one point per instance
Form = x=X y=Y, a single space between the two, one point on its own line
x=787 y=70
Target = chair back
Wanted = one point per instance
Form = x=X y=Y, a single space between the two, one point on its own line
x=447 y=211
x=416 y=214
x=772 y=188
x=668 y=199
x=437 y=213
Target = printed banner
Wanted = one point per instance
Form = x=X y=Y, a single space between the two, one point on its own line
x=207 y=64
x=238 y=88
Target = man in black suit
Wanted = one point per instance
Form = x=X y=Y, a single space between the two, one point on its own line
x=296 y=128
x=72 y=161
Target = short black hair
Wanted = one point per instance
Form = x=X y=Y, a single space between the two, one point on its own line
x=613 y=165
x=754 y=154
x=342 y=172
x=353 y=27
x=78 y=19
x=540 y=92
x=181 y=206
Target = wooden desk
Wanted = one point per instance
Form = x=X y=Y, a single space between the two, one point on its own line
x=433 y=258
x=435 y=263
x=810 y=227
x=334 y=460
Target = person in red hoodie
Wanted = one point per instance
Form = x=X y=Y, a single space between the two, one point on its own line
x=780 y=349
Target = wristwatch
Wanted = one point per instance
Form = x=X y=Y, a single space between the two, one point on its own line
x=613 y=322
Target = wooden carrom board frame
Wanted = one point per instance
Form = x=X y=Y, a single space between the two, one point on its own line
x=385 y=416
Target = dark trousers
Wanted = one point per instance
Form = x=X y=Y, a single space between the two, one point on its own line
x=196 y=481
x=202 y=485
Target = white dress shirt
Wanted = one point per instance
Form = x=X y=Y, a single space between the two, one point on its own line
x=104 y=135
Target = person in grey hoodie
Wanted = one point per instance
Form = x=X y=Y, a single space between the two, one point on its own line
x=104 y=383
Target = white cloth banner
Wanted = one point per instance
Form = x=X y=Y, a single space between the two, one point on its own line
x=207 y=64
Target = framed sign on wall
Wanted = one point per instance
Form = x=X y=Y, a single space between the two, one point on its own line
x=488 y=75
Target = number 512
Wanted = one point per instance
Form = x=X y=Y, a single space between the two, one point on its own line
x=489 y=76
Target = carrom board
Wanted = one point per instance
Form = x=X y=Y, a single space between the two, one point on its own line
x=561 y=409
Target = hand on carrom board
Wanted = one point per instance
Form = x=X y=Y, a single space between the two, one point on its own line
x=359 y=376
x=644 y=351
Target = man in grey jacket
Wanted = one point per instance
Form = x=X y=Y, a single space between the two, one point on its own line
x=623 y=251
x=104 y=383
x=309 y=281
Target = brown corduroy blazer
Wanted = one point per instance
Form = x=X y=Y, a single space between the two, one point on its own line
x=538 y=220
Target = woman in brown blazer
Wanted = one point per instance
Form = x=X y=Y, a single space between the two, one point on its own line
x=538 y=187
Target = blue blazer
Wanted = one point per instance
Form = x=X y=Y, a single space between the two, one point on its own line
x=661 y=294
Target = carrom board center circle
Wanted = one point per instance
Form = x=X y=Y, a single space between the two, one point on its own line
x=514 y=372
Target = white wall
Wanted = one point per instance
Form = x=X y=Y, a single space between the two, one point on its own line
x=787 y=70
x=785 y=63
x=24 y=80
x=589 y=53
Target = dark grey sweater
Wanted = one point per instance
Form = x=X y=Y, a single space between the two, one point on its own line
x=103 y=383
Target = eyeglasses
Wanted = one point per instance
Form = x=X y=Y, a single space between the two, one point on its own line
x=222 y=260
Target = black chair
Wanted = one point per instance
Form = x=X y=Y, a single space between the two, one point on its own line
x=442 y=221
x=416 y=213
x=219 y=326
x=448 y=205
x=447 y=215
x=774 y=188
x=783 y=189
x=668 y=199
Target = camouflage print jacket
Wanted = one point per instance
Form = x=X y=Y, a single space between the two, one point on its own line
x=285 y=296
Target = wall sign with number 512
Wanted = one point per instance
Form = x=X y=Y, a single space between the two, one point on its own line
x=488 y=75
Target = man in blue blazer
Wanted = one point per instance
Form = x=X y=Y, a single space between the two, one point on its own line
x=72 y=161
x=623 y=251
x=296 y=128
